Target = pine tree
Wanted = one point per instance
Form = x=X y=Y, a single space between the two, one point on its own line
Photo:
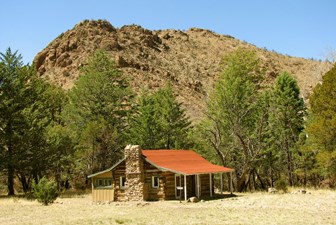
x=97 y=112
x=160 y=122
x=14 y=83
x=29 y=108
x=286 y=121
x=49 y=144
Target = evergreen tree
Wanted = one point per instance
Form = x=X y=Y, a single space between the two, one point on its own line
x=45 y=191
x=28 y=109
x=34 y=155
x=97 y=113
x=268 y=160
x=54 y=144
x=286 y=120
x=160 y=122
x=321 y=129
x=14 y=85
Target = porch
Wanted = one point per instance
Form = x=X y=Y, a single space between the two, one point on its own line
x=198 y=185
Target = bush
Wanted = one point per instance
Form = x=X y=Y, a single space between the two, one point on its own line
x=45 y=191
x=282 y=184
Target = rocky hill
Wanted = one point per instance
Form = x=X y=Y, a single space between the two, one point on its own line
x=188 y=59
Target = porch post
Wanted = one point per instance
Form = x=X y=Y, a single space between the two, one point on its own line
x=210 y=185
x=231 y=182
x=175 y=176
x=185 y=187
x=198 y=191
x=221 y=175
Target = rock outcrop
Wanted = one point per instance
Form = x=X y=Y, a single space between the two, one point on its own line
x=189 y=60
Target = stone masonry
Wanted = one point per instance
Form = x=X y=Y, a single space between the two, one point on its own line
x=134 y=190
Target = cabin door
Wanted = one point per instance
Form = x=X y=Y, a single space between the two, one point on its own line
x=191 y=186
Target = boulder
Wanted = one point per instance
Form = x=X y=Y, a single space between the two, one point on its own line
x=272 y=190
x=193 y=199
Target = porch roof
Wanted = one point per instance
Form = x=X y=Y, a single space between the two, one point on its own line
x=107 y=170
x=185 y=162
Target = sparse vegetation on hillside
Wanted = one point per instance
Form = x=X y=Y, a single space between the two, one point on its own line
x=190 y=59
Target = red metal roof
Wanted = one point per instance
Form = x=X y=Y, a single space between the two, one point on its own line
x=182 y=161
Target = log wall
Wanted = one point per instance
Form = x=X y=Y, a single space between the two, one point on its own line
x=166 y=189
x=119 y=193
x=205 y=184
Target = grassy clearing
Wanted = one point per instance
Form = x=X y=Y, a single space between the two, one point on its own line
x=318 y=207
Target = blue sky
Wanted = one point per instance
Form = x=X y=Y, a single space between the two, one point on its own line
x=294 y=27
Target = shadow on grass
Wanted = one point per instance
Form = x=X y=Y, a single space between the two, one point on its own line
x=4 y=196
x=220 y=196
x=63 y=194
x=16 y=197
x=74 y=193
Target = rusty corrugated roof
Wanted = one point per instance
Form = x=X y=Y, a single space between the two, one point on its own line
x=185 y=162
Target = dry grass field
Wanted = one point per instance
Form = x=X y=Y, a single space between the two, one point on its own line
x=315 y=207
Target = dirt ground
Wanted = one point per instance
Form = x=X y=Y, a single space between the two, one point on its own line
x=315 y=207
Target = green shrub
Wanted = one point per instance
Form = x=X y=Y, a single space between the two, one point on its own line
x=45 y=191
x=282 y=184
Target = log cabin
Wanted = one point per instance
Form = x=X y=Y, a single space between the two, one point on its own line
x=150 y=175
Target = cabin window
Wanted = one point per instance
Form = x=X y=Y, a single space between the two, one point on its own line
x=122 y=182
x=155 y=182
x=103 y=183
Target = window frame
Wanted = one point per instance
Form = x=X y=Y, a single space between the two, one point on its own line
x=103 y=183
x=153 y=182
x=122 y=184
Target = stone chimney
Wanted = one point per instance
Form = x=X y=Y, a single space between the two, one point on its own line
x=134 y=190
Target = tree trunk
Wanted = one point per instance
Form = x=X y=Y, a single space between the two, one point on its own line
x=58 y=178
x=260 y=180
x=10 y=180
x=220 y=155
x=243 y=181
x=305 y=177
x=10 y=171
x=253 y=181
x=24 y=182
x=289 y=165
x=216 y=142
x=271 y=177
x=36 y=179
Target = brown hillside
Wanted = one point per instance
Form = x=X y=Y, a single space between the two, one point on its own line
x=189 y=59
